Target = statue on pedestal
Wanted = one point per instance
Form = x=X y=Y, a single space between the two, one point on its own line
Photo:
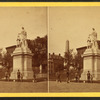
x=21 y=39
x=92 y=40
x=22 y=57
x=91 y=57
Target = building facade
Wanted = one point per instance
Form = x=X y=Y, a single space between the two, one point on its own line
x=56 y=63
x=81 y=50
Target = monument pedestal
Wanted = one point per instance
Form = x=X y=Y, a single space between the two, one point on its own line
x=22 y=61
x=91 y=62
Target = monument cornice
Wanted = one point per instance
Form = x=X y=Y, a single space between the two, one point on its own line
x=22 y=53
x=91 y=54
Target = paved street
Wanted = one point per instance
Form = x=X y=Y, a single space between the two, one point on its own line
x=73 y=87
x=22 y=87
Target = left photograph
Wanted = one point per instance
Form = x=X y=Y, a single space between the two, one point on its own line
x=23 y=50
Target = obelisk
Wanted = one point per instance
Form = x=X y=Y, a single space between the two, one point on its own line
x=67 y=46
x=66 y=50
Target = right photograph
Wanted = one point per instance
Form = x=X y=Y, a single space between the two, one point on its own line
x=74 y=49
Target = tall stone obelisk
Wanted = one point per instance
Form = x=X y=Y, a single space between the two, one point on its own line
x=22 y=57
x=67 y=46
x=66 y=50
x=91 y=58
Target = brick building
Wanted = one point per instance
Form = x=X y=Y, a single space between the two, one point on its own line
x=56 y=63
x=81 y=50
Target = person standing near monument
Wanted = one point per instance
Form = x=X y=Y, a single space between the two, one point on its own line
x=77 y=77
x=21 y=77
x=91 y=78
x=18 y=75
x=88 y=76
x=34 y=77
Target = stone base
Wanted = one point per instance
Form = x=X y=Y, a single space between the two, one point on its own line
x=21 y=50
x=22 y=61
x=91 y=62
x=41 y=75
x=95 y=76
x=26 y=75
x=84 y=75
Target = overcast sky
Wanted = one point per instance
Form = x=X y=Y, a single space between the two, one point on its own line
x=65 y=23
x=73 y=24
x=33 y=19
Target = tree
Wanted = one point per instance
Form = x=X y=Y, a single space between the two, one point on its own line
x=38 y=47
x=78 y=64
x=8 y=61
x=74 y=63
x=68 y=59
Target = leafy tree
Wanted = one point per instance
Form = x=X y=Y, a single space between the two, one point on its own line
x=39 y=50
x=6 y=60
x=78 y=63
x=75 y=61
x=68 y=59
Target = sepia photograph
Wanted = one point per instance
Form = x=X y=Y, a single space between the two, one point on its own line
x=23 y=50
x=74 y=49
x=50 y=49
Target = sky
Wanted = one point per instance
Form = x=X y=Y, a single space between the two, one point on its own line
x=12 y=19
x=73 y=24
x=61 y=24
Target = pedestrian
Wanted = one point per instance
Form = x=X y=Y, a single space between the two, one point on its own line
x=18 y=75
x=59 y=77
x=21 y=76
x=91 y=78
x=76 y=77
x=34 y=77
x=88 y=76
x=56 y=76
x=67 y=76
x=6 y=75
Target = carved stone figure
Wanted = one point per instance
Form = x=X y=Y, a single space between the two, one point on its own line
x=18 y=41
x=89 y=44
x=92 y=40
x=21 y=38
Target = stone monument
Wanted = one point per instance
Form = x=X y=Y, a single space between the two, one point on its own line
x=67 y=46
x=66 y=51
x=91 y=58
x=22 y=57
